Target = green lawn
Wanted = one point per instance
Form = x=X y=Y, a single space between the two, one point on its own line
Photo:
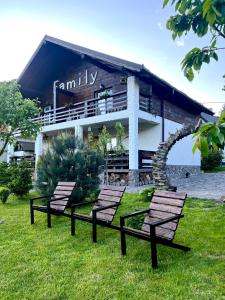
x=216 y=170
x=41 y=263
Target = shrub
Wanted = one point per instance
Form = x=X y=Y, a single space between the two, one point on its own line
x=68 y=159
x=136 y=222
x=20 y=178
x=4 y=173
x=146 y=194
x=4 y=194
x=211 y=161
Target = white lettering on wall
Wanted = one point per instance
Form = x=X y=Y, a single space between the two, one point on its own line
x=77 y=81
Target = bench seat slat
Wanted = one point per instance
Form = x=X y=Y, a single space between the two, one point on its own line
x=109 y=198
x=168 y=201
x=168 y=194
x=170 y=225
x=166 y=208
x=64 y=188
x=111 y=193
x=161 y=232
x=61 y=183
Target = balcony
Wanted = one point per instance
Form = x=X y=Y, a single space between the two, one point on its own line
x=90 y=108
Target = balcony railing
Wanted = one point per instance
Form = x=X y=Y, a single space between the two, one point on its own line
x=145 y=103
x=90 y=108
x=85 y=109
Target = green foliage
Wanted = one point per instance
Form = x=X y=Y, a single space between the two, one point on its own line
x=210 y=136
x=4 y=194
x=201 y=17
x=68 y=159
x=136 y=222
x=104 y=139
x=211 y=161
x=103 y=143
x=120 y=135
x=4 y=173
x=20 y=178
x=16 y=114
x=146 y=194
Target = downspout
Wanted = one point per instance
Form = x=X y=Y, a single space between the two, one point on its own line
x=163 y=119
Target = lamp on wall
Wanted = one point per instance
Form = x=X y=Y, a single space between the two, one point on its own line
x=101 y=86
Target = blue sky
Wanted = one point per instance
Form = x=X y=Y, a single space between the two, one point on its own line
x=134 y=30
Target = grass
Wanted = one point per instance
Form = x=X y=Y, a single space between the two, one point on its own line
x=41 y=263
x=216 y=170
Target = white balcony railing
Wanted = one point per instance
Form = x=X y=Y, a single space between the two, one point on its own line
x=85 y=109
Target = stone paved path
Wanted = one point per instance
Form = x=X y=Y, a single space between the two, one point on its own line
x=206 y=185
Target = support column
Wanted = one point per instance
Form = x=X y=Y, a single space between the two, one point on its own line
x=133 y=107
x=38 y=147
x=79 y=132
x=9 y=152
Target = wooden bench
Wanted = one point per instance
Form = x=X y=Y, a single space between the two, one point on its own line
x=56 y=203
x=160 y=224
x=103 y=211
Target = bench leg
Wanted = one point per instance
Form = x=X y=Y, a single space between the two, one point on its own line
x=49 y=223
x=123 y=242
x=72 y=226
x=94 y=228
x=154 y=254
x=153 y=247
x=31 y=215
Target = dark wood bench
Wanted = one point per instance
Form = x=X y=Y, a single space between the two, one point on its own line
x=103 y=211
x=56 y=203
x=159 y=225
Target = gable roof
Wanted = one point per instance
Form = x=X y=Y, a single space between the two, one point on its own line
x=115 y=63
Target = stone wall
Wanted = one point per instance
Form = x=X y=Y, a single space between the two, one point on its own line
x=177 y=172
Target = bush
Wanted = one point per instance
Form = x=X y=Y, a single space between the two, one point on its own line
x=4 y=194
x=211 y=161
x=136 y=222
x=4 y=173
x=146 y=194
x=68 y=159
x=20 y=178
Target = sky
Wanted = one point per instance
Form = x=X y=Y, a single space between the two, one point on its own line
x=134 y=30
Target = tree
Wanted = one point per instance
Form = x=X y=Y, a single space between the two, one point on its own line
x=210 y=136
x=201 y=17
x=16 y=114
x=69 y=159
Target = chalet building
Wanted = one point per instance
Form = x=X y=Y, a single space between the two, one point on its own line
x=81 y=90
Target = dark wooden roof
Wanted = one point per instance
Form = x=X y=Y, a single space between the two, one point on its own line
x=53 y=53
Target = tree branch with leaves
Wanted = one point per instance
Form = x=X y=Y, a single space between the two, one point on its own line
x=201 y=17
x=16 y=114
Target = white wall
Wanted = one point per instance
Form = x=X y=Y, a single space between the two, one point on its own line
x=181 y=152
x=149 y=136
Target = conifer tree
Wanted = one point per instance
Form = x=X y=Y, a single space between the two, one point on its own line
x=68 y=159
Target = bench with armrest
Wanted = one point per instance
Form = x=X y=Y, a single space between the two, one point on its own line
x=103 y=211
x=159 y=225
x=56 y=203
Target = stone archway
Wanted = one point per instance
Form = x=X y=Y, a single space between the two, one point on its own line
x=160 y=158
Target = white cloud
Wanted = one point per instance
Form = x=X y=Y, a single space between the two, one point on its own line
x=179 y=43
x=160 y=26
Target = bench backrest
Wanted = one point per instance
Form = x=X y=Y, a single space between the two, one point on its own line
x=109 y=195
x=62 y=189
x=165 y=204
